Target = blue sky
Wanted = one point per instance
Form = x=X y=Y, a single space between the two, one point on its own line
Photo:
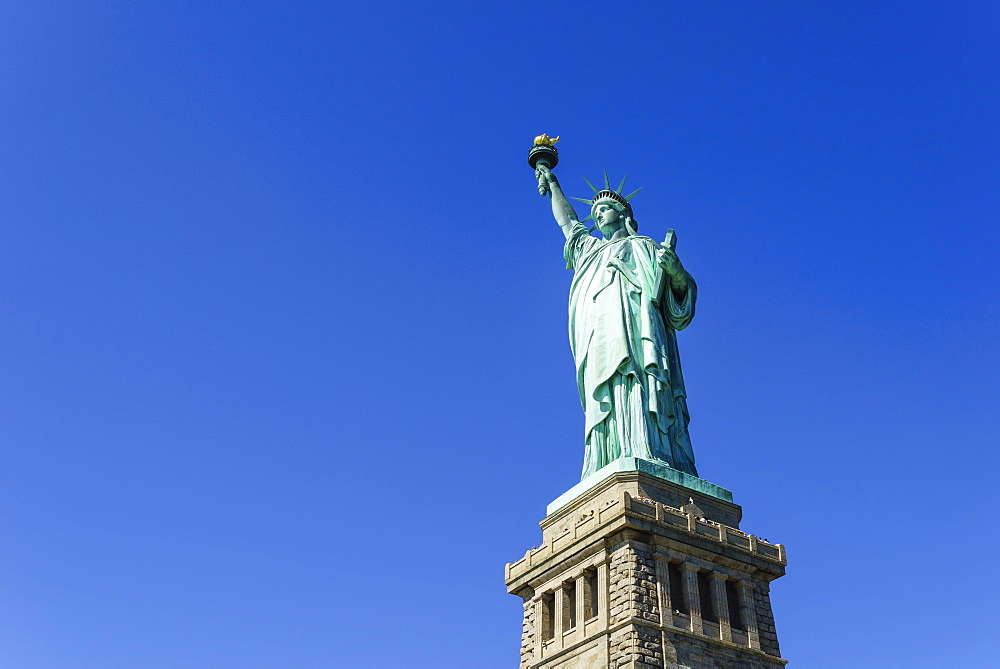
x=285 y=376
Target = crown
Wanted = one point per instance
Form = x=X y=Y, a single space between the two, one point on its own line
x=608 y=194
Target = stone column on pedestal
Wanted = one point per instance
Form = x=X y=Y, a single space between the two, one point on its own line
x=582 y=595
x=663 y=590
x=558 y=616
x=748 y=613
x=691 y=596
x=721 y=606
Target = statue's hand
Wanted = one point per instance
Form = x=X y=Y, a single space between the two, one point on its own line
x=545 y=179
x=669 y=261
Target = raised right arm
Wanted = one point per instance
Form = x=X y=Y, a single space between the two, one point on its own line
x=561 y=208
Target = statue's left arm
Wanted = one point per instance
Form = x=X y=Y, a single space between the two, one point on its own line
x=675 y=289
x=673 y=271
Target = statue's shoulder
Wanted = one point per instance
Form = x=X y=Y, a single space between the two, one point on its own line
x=643 y=240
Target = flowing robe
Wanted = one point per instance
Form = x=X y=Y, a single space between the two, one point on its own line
x=623 y=338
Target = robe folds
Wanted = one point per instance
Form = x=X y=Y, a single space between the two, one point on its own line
x=623 y=339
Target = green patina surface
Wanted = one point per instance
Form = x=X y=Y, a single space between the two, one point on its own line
x=639 y=465
x=629 y=296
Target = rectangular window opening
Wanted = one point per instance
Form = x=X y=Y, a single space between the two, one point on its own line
x=569 y=605
x=677 y=602
x=733 y=599
x=708 y=611
x=589 y=594
x=548 y=615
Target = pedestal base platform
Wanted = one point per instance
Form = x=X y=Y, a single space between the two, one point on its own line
x=631 y=575
x=661 y=483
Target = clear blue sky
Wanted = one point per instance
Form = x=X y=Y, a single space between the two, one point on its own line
x=285 y=376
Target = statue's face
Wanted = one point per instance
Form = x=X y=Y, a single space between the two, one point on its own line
x=608 y=219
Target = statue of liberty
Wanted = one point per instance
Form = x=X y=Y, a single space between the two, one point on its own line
x=628 y=297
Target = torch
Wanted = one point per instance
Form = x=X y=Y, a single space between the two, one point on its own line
x=543 y=152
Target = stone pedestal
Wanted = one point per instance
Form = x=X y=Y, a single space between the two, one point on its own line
x=639 y=572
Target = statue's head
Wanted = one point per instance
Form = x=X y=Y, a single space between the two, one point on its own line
x=610 y=209
x=611 y=212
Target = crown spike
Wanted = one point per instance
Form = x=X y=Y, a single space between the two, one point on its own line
x=589 y=217
x=622 y=184
x=580 y=199
x=607 y=182
x=632 y=195
x=592 y=186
